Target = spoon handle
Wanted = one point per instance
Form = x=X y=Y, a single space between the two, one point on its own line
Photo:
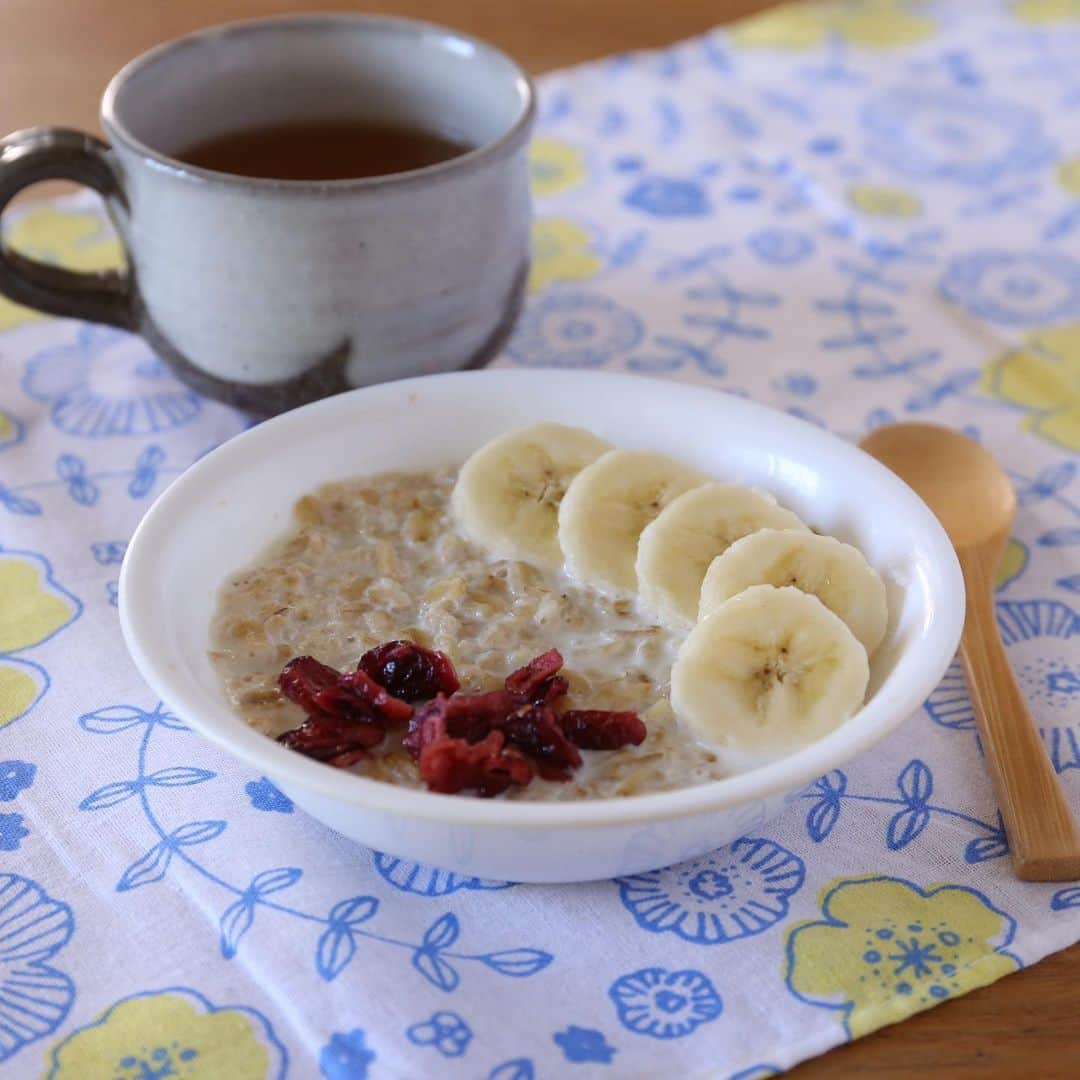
x=1043 y=836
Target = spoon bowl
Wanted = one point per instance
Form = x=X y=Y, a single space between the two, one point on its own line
x=959 y=480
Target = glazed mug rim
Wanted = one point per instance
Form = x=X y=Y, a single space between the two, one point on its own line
x=494 y=149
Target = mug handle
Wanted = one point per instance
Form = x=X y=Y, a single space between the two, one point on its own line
x=36 y=154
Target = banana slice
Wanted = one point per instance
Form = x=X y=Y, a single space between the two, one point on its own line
x=676 y=549
x=837 y=574
x=608 y=504
x=508 y=493
x=768 y=671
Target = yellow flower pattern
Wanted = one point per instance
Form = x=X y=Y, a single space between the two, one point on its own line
x=1043 y=377
x=20 y=687
x=883 y=201
x=34 y=608
x=77 y=240
x=175 y=1033
x=555 y=166
x=873 y=24
x=8 y=429
x=562 y=250
x=1068 y=175
x=886 y=949
x=1013 y=563
x=1046 y=11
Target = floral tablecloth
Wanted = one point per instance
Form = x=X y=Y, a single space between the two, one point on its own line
x=853 y=212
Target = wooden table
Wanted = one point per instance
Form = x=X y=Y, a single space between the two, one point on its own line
x=55 y=59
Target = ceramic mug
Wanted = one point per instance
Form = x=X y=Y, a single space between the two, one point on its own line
x=268 y=293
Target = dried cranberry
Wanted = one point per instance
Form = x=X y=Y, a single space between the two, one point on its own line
x=346 y=714
x=481 y=742
x=599 y=729
x=358 y=685
x=449 y=765
x=428 y=724
x=409 y=671
x=462 y=716
x=467 y=711
x=535 y=731
x=320 y=690
x=527 y=680
x=326 y=738
x=550 y=690
x=473 y=716
x=303 y=677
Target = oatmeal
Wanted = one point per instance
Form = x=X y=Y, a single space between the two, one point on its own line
x=380 y=558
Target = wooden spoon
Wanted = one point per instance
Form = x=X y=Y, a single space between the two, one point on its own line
x=973 y=499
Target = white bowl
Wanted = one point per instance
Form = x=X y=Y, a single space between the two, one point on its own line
x=222 y=511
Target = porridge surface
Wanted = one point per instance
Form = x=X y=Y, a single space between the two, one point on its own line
x=379 y=558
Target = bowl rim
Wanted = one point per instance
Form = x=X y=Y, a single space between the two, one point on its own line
x=931 y=652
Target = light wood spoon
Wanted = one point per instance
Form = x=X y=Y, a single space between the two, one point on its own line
x=973 y=499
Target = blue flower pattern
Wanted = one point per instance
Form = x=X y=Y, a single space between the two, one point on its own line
x=958 y=135
x=730 y=894
x=266 y=796
x=1037 y=633
x=574 y=330
x=581 y=1045
x=668 y=197
x=346 y=1056
x=797 y=383
x=12 y=831
x=108 y=552
x=665 y=1004
x=779 y=246
x=1031 y=288
x=15 y=777
x=35 y=996
x=107 y=383
x=730 y=258
x=445 y=1031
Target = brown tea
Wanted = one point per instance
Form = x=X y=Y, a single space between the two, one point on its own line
x=322 y=150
